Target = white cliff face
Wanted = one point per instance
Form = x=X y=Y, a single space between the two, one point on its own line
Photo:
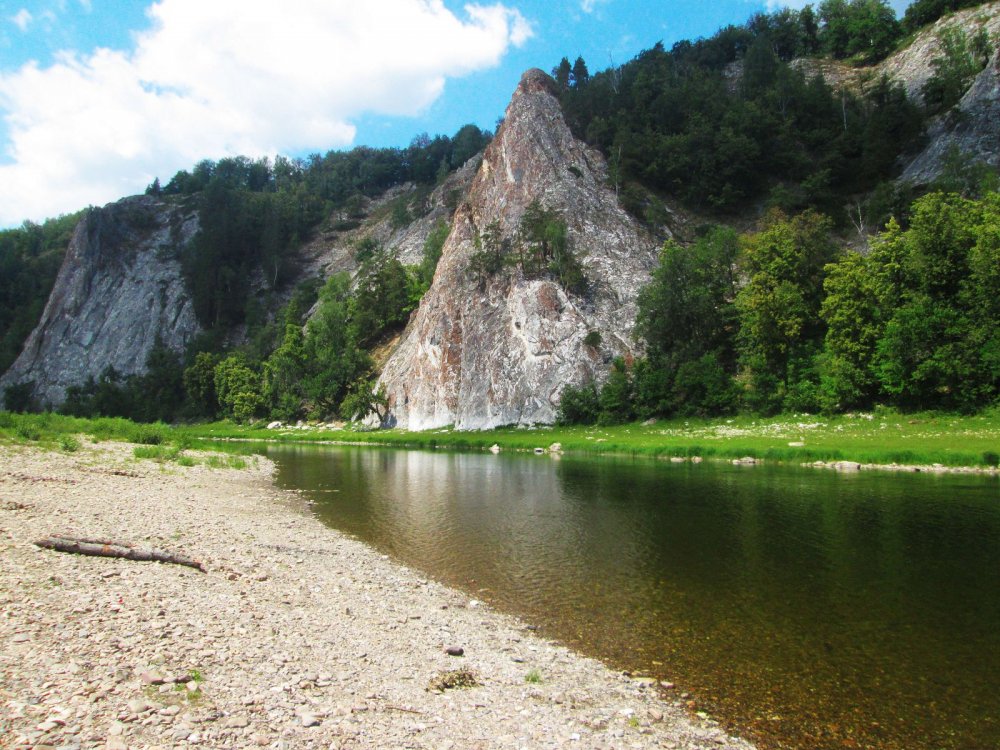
x=120 y=286
x=483 y=355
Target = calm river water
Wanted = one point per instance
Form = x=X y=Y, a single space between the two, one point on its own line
x=805 y=608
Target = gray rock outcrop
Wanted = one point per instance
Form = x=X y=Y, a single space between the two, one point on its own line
x=913 y=65
x=119 y=288
x=971 y=128
x=483 y=354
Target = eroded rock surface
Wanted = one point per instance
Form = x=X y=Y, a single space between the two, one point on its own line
x=482 y=354
x=971 y=128
x=913 y=66
x=120 y=286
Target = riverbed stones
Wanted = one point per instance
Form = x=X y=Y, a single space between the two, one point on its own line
x=113 y=648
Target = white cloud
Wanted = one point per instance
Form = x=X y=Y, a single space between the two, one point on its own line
x=588 y=6
x=22 y=19
x=225 y=77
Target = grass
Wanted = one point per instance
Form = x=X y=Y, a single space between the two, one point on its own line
x=880 y=437
x=533 y=677
x=156 y=442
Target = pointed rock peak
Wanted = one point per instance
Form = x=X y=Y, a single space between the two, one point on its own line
x=496 y=346
x=536 y=81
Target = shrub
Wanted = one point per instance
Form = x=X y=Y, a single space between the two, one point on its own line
x=69 y=443
x=579 y=405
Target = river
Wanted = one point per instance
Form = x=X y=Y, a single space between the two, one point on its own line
x=804 y=608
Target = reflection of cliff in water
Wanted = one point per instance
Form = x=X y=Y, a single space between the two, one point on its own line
x=808 y=607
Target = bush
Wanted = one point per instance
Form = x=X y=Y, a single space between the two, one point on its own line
x=579 y=405
x=69 y=443
x=20 y=397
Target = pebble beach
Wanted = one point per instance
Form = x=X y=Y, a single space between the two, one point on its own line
x=294 y=636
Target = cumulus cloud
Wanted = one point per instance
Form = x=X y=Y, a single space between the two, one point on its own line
x=22 y=19
x=210 y=79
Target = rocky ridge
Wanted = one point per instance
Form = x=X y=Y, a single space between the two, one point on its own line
x=478 y=354
x=119 y=289
x=971 y=128
x=912 y=67
x=333 y=251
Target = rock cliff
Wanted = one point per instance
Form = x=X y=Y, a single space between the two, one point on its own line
x=973 y=128
x=479 y=354
x=120 y=286
x=912 y=66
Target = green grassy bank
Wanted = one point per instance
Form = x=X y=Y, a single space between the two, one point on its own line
x=879 y=438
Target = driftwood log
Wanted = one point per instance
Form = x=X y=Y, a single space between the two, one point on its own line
x=106 y=548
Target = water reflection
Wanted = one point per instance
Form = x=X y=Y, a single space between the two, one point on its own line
x=813 y=609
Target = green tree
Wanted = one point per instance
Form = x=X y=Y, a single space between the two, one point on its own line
x=854 y=317
x=158 y=393
x=562 y=73
x=858 y=27
x=780 y=327
x=982 y=291
x=617 y=397
x=364 y=398
x=579 y=405
x=238 y=389
x=920 y=13
x=382 y=299
x=333 y=355
x=199 y=385
x=960 y=61
x=930 y=355
x=488 y=258
x=283 y=373
x=687 y=319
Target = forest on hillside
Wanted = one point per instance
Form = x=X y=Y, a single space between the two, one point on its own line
x=783 y=317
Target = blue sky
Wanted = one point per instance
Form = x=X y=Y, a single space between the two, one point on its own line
x=98 y=97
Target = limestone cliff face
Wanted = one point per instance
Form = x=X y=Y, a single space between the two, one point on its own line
x=479 y=355
x=119 y=287
x=973 y=127
x=912 y=66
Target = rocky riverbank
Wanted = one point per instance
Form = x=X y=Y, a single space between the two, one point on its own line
x=295 y=637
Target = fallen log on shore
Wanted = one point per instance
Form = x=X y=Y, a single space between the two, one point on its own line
x=106 y=548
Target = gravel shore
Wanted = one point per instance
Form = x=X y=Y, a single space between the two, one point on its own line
x=295 y=637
